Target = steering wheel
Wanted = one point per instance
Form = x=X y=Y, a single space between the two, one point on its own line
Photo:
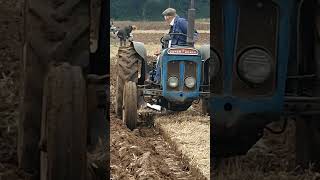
x=167 y=37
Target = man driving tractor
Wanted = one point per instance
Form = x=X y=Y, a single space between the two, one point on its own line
x=177 y=36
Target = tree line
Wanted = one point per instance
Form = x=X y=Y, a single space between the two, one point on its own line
x=152 y=9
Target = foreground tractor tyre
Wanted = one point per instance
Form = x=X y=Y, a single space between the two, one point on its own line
x=130 y=107
x=127 y=70
x=308 y=127
x=54 y=31
x=307 y=141
x=63 y=130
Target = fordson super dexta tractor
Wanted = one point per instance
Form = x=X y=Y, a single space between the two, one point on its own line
x=181 y=76
x=269 y=53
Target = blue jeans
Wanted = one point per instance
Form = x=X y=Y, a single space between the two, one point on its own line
x=158 y=71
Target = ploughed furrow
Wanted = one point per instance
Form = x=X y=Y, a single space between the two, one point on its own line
x=144 y=154
x=189 y=133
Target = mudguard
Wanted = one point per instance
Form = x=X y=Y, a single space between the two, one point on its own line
x=205 y=51
x=140 y=49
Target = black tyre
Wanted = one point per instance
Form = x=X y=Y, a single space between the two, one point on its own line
x=54 y=31
x=130 y=107
x=127 y=71
x=308 y=127
x=307 y=141
x=64 y=124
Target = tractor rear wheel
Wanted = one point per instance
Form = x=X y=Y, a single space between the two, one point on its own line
x=307 y=141
x=54 y=31
x=130 y=106
x=63 y=141
x=308 y=127
x=127 y=70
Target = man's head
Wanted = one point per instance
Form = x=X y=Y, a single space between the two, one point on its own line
x=169 y=14
x=133 y=27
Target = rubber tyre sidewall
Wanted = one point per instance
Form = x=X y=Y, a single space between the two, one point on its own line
x=64 y=124
x=130 y=108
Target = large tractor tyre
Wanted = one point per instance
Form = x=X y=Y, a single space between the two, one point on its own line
x=127 y=70
x=308 y=127
x=54 y=31
x=63 y=141
x=97 y=94
x=307 y=141
x=130 y=107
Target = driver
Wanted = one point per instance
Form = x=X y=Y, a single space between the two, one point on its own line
x=177 y=25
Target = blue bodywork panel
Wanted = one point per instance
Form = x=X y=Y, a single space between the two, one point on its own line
x=273 y=103
x=180 y=96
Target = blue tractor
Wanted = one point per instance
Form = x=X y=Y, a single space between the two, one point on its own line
x=269 y=53
x=182 y=78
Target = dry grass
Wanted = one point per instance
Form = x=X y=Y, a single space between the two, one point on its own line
x=271 y=158
x=201 y=24
x=191 y=133
x=113 y=51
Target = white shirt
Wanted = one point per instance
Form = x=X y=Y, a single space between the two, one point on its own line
x=172 y=22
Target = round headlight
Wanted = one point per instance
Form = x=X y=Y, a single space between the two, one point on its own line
x=173 y=82
x=190 y=82
x=255 y=66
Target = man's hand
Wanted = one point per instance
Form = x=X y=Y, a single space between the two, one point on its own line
x=158 y=52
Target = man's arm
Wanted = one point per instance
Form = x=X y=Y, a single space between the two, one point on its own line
x=183 y=24
x=184 y=27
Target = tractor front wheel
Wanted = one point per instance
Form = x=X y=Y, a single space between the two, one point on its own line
x=308 y=127
x=307 y=141
x=63 y=140
x=130 y=107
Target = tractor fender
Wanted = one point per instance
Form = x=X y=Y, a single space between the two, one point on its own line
x=140 y=49
x=205 y=51
x=142 y=52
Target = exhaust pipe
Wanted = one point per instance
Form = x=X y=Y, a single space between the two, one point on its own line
x=191 y=19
